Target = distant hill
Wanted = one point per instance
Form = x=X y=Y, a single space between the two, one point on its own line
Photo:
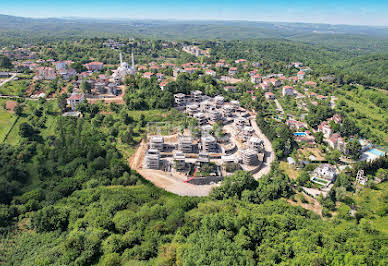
x=11 y=26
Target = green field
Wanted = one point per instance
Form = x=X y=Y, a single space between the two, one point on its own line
x=15 y=87
x=6 y=121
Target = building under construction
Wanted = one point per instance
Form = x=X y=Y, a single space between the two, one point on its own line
x=185 y=144
x=249 y=157
x=152 y=159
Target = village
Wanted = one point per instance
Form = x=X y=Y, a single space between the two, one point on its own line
x=226 y=137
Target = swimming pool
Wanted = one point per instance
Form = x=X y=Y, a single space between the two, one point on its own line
x=376 y=152
x=300 y=134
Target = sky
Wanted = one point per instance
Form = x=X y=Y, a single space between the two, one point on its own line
x=352 y=12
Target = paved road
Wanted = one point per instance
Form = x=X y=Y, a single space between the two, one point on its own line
x=13 y=75
x=269 y=153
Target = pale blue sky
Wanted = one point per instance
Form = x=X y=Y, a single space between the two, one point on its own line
x=356 y=12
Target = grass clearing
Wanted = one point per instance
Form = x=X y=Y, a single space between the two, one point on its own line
x=289 y=170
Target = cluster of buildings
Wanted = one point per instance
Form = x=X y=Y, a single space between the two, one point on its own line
x=239 y=147
x=194 y=50
x=332 y=138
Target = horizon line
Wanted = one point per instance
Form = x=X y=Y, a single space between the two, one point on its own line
x=194 y=20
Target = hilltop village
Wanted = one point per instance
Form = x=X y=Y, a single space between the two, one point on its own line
x=245 y=114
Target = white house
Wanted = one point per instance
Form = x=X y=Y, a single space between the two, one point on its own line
x=74 y=100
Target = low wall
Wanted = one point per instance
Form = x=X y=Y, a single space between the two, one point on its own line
x=205 y=180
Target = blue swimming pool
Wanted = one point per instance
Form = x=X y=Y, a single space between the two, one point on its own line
x=376 y=152
x=300 y=134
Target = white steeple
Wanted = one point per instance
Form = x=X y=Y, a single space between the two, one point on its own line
x=121 y=59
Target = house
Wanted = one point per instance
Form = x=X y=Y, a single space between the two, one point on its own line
x=62 y=64
x=148 y=75
x=252 y=73
x=94 y=66
x=220 y=64
x=112 y=88
x=46 y=73
x=168 y=65
x=336 y=118
x=163 y=85
x=256 y=64
x=323 y=174
x=300 y=75
x=190 y=70
x=240 y=61
x=99 y=87
x=141 y=68
x=294 y=80
x=4 y=74
x=321 y=97
x=310 y=83
x=210 y=72
x=276 y=83
x=232 y=70
x=256 y=79
x=325 y=128
x=160 y=76
x=298 y=64
x=269 y=95
x=155 y=67
x=264 y=86
x=288 y=91
x=75 y=99
x=294 y=124
x=67 y=73
x=337 y=142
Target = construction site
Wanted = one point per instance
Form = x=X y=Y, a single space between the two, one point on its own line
x=204 y=159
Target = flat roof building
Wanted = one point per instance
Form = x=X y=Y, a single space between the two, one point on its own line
x=185 y=144
x=249 y=157
x=157 y=143
x=152 y=159
x=179 y=161
x=256 y=144
x=209 y=144
x=201 y=117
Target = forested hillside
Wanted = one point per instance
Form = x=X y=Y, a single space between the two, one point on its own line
x=76 y=202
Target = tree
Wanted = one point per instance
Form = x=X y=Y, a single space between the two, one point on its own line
x=354 y=149
x=78 y=67
x=18 y=109
x=319 y=137
x=61 y=101
x=234 y=185
x=85 y=86
x=5 y=62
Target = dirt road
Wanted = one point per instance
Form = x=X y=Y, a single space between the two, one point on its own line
x=166 y=180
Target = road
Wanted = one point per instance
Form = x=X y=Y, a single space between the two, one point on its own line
x=269 y=153
x=13 y=75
